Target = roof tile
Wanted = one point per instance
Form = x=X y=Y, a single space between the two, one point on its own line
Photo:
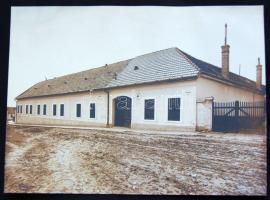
x=167 y=64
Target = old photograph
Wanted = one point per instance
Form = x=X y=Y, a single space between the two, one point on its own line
x=136 y=100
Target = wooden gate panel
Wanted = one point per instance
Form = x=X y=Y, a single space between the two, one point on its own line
x=234 y=116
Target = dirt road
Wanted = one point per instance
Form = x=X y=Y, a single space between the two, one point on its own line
x=56 y=160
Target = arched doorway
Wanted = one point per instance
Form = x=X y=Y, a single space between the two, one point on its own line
x=122 y=111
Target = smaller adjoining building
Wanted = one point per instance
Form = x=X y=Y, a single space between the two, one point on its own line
x=164 y=90
x=11 y=114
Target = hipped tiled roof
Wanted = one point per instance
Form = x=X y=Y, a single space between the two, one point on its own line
x=78 y=82
x=168 y=64
x=216 y=72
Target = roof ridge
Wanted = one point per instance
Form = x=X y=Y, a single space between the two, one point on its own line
x=33 y=86
x=199 y=59
x=87 y=70
x=155 y=52
x=70 y=78
x=108 y=65
x=219 y=68
x=183 y=54
x=103 y=76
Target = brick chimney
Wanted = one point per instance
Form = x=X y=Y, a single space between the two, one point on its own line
x=259 y=74
x=225 y=57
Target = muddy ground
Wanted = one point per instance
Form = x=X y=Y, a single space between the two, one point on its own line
x=56 y=160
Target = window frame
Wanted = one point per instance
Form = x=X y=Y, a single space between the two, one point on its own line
x=155 y=106
x=26 y=109
x=54 y=115
x=17 y=109
x=21 y=110
x=38 y=109
x=94 y=110
x=76 y=110
x=31 y=109
x=63 y=110
x=44 y=106
x=180 y=109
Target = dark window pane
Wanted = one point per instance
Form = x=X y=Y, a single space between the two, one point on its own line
x=92 y=110
x=20 y=109
x=30 y=109
x=26 y=109
x=174 y=109
x=149 y=109
x=61 y=109
x=78 y=110
x=17 y=109
x=44 y=109
x=54 y=110
x=38 y=109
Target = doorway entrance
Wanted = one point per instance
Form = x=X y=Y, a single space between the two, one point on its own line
x=122 y=114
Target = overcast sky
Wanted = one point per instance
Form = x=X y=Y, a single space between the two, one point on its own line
x=55 y=41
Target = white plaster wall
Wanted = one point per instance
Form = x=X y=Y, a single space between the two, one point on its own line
x=69 y=101
x=188 y=91
x=204 y=115
x=161 y=92
x=221 y=92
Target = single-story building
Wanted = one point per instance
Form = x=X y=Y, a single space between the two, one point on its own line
x=11 y=114
x=166 y=90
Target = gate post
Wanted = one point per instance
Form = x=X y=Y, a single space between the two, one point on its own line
x=204 y=114
x=237 y=116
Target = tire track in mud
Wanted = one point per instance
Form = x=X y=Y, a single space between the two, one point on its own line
x=91 y=161
x=108 y=139
x=65 y=165
x=15 y=166
x=209 y=169
x=180 y=148
x=217 y=163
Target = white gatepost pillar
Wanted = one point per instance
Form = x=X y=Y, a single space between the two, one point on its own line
x=204 y=114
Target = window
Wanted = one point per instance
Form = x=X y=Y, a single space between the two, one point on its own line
x=149 y=109
x=31 y=108
x=61 y=109
x=38 y=109
x=92 y=110
x=54 y=109
x=174 y=109
x=44 y=109
x=26 y=109
x=20 y=109
x=78 y=110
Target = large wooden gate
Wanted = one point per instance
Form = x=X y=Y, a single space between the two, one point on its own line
x=235 y=116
